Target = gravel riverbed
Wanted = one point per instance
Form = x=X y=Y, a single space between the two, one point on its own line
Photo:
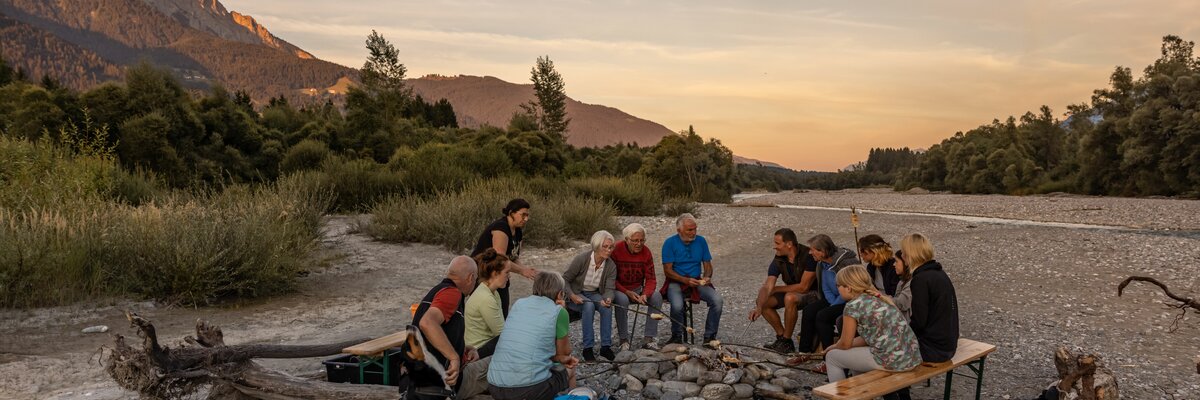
x=1026 y=289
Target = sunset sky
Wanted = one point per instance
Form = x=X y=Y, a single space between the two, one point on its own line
x=807 y=84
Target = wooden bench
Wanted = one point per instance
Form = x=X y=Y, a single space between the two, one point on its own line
x=375 y=347
x=878 y=383
x=374 y=352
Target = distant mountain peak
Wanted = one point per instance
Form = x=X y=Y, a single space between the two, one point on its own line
x=265 y=36
x=212 y=17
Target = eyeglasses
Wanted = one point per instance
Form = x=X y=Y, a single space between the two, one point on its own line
x=636 y=241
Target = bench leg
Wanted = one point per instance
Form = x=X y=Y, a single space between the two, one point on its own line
x=949 y=382
x=978 y=377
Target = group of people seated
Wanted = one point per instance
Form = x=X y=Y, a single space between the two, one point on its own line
x=894 y=312
x=876 y=309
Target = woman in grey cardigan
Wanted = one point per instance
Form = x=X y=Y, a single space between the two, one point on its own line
x=591 y=278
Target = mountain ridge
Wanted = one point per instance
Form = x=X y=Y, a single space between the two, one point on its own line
x=492 y=101
x=83 y=43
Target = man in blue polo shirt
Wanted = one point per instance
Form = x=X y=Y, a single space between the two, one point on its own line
x=688 y=267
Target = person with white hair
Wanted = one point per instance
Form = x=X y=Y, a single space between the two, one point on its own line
x=636 y=283
x=533 y=357
x=591 y=279
x=687 y=265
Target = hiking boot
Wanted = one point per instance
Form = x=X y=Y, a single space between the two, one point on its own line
x=782 y=345
x=623 y=345
x=589 y=355
x=675 y=339
x=651 y=344
x=606 y=352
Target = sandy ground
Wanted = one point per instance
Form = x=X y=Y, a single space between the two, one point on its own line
x=1026 y=289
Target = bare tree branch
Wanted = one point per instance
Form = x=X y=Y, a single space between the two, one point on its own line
x=1187 y=301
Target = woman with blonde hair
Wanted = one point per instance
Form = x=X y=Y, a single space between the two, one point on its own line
x=934 y=303
x=884 y=340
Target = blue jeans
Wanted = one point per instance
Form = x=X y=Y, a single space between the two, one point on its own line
x=622 y=300
x=708 y=295
x=588 y=310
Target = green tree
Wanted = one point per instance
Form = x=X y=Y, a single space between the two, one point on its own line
x=551 y=106
x=383 y=76
x=144 y=144
x=686 y=165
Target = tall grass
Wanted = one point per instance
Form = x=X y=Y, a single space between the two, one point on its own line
x=633 y=195
x=72 y=237
x=455 y=219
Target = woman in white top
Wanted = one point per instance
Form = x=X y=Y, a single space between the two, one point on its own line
x=591 y=279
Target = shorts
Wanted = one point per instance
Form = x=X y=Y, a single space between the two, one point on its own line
x=805 y=299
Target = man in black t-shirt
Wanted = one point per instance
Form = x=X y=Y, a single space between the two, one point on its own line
x=796 y=269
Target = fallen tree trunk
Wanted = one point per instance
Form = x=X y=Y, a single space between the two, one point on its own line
x=157 y=371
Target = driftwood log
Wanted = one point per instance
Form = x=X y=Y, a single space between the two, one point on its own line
x=1083 y=376
x=161 y=372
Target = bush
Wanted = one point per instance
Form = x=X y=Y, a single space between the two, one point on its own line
x=455 y=218
x=634 y=195
x=306 y=155
x=438 y=167
x=676 y=206
x=358 y=184
x=1055 y=186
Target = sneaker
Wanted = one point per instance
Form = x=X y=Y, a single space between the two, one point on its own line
x=606 y=352
x=624 y=345
x=589 y=355
x=651 y=344
x=675 y=339
x=782 y=345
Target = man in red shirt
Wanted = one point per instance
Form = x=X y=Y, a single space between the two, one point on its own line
x=635 y=283
x=440 y=318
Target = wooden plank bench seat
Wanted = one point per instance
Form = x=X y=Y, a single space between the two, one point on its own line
x=878 y=383
x=375 y=347
x=375 y=353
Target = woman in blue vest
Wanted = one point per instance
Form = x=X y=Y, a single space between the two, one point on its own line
x=533 y=358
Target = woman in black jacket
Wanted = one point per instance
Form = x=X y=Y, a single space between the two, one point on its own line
x=934 y=303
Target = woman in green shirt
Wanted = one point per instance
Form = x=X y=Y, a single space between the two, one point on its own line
x=485 y=320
